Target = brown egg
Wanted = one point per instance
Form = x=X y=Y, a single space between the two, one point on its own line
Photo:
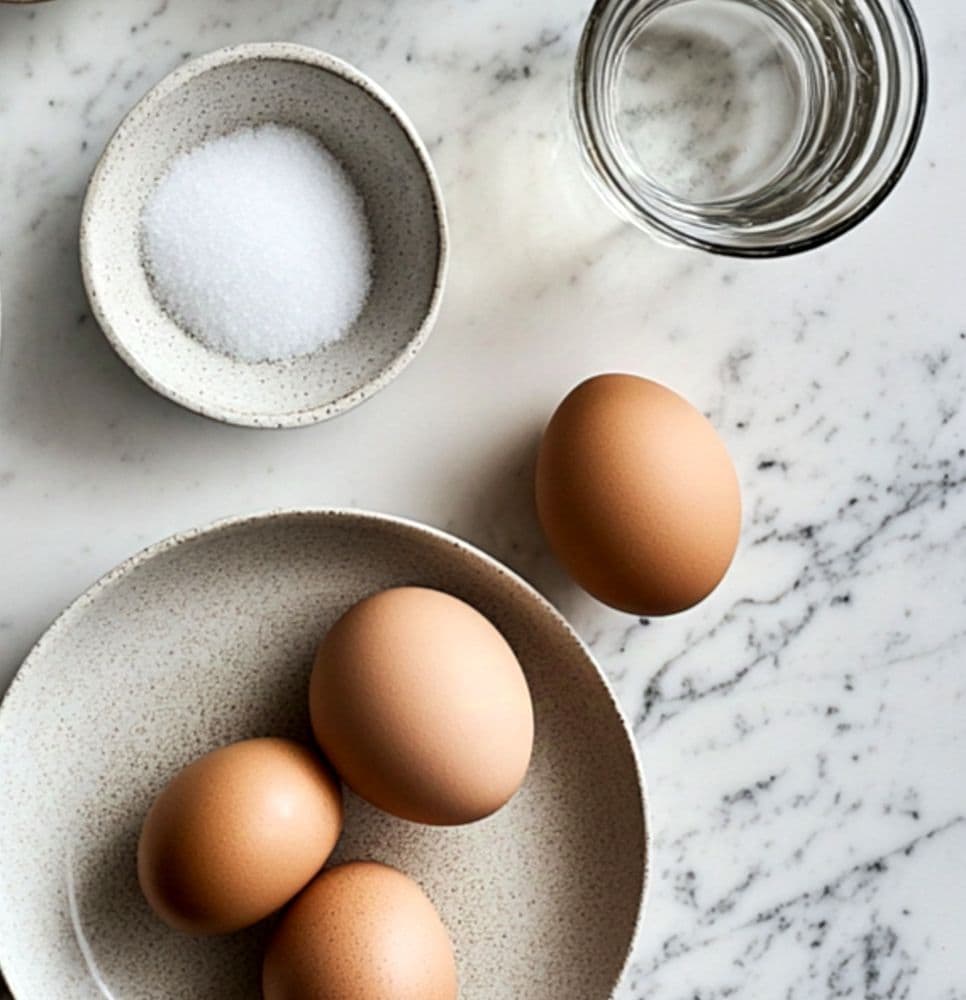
x=361 y=931
x=236 y=834
x=637 y=495
x=422 y=707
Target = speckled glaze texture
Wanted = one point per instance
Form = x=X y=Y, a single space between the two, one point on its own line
x=246 y=86
x=209 y=638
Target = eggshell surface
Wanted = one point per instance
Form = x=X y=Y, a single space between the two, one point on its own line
x=422 y=707
x=361 y=931
x=236 y=834
x=637 y=495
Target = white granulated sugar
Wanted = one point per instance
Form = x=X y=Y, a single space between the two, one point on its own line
x=257 y=243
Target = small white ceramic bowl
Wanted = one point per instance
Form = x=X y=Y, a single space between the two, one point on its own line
x=361 y=125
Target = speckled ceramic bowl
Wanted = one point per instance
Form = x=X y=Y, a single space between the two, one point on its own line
x=208 y=638
x=218 y=94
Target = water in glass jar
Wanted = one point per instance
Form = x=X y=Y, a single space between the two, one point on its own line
x=710 y=98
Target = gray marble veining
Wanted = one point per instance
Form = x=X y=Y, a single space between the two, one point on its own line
x=803 y=731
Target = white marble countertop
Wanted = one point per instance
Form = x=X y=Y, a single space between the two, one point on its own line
x=804 y=731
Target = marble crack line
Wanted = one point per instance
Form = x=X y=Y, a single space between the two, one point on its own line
x=835 y=569
x=922 y=493
x=953 y=642
x=652 y=693
x=673 y=949
x=876 y=865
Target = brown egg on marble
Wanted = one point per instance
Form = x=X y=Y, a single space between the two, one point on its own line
x=637 y=495
x=361 y=931
x=422 y=707
x=236 y=834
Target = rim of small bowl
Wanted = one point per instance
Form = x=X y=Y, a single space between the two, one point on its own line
x=642 y=216
x=149 y=552
x=183 y=75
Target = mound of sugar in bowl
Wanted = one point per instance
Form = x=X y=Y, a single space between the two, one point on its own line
x=257 y=244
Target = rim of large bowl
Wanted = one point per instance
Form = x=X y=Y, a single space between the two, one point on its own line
x=178 y=538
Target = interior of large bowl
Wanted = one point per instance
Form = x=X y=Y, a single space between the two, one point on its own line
x=210 y=640
x=221 y=94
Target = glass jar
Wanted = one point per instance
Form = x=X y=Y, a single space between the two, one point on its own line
x=754 y=128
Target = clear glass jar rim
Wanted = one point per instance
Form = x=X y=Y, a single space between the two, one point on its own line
x=642 y=213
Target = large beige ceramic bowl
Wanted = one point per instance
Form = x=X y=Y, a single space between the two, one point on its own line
x=208 y=638
x=220 y=93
